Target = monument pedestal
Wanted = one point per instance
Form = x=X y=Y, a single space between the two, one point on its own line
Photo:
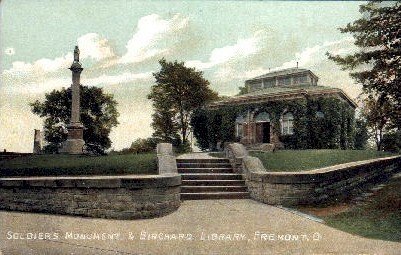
x=75 y=142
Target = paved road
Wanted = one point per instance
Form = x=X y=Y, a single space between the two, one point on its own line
x=249 y=227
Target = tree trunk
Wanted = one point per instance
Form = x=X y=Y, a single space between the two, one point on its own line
x=378 y=138
x=183 y=126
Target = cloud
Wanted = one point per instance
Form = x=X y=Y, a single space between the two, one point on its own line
x=126 y=77
x=310 y=57
x=91 y=46
x=39 y=67
x=45 y=85
x=229 y=77
x=9 y=51
x=313 y=56
x=150 y=30
x=243 y=48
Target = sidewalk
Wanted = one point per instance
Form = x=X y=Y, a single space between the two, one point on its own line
x=195 y=155
x=198 y=227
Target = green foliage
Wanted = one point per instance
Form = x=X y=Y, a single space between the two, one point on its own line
x=182 y=148
x=140 y=145
x=242 y=90
x=178 y=91
x=334 y=130
x=392 y=141
x=376 y=65
x=302 y=160
x=98 y=115
x=199 y=121
x=58 y=165
x=361 y=134
x=377 y=114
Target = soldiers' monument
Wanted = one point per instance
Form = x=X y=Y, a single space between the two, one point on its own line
x=75 y=142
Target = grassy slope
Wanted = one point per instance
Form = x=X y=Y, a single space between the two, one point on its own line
x=380 y=217
x=79 y=165
x=298 y=160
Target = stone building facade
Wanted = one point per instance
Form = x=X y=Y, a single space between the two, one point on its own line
x=278 y=105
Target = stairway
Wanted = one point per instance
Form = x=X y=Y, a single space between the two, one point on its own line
x=211 y=178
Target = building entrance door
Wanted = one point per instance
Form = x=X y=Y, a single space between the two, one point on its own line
x=266 y=132
x=263 y=132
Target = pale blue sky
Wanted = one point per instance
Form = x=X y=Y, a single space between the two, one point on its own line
x=121 y=42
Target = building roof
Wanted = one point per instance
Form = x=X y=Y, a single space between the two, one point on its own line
x=281 y=93
x=282 y=72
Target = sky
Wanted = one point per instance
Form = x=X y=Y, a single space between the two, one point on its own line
x=121 y=42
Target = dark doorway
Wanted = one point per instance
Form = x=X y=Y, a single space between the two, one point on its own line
x=266 y=132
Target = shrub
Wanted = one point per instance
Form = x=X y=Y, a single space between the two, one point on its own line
x=392 y=141
x=140 y=145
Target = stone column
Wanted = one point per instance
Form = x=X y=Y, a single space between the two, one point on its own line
x=75 y=142
x=37 y=142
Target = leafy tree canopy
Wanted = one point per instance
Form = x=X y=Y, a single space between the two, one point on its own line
x=178 y=91
x=377 y=63
x=376 y=114
x=98 y=115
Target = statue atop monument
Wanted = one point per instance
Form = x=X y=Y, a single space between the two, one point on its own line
x=76 y=54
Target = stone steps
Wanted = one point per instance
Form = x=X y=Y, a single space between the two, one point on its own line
x=203 y=160
x=225 y=170
x=211 y=178
x=203 y=165
x=214 y=195
x=213 y=182
x=201 y=189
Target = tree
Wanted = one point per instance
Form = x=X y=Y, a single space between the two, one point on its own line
x=98 y=115
x=376 y=113
x=242 y=90
x=361 y=133
x=377 y=65
x=140 y=145
x=178 y=91
x=392 y=141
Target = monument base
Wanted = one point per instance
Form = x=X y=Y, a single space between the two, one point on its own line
x=73 y=146
x=75 y=142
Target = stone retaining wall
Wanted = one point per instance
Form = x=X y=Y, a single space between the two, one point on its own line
x=309 y=187
x=114 y=197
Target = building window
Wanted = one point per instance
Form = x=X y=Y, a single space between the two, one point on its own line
x=255 y=86
x=269 y=83
x=287 y=124
x=300 y=79
x=284 y=81
x=239 y=126
x=262 y=117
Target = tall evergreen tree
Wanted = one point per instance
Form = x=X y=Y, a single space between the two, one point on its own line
x=377 y=64
x=178 y=91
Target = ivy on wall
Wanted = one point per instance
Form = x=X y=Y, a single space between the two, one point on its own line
x=334 y=129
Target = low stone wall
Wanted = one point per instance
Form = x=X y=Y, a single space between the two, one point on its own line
x=311 y=187
x=113 y=197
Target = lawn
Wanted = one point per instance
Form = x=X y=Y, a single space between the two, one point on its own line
x=300 y=160
x=52 y=165
x=219 y=154
x=378 y=217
